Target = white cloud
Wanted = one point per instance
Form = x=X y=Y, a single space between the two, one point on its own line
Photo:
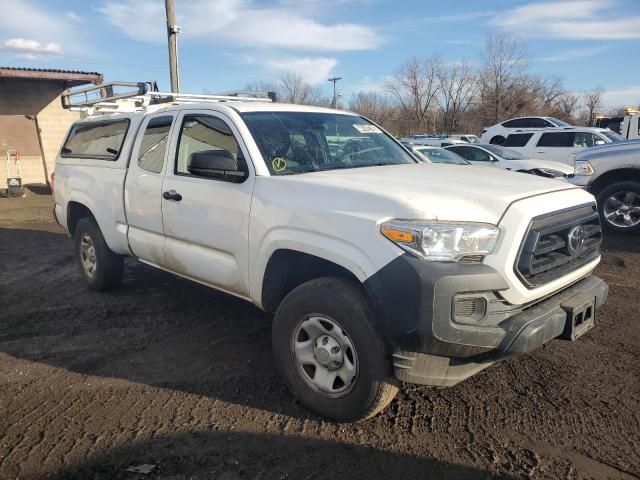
x=26 y=45
x=312 y=70
x=26 y=20
x=74 y=16
x=149 y=24
x=572 y=19
x=572 y=54
x=623 y=97
x=238 y=22
x=460 y=17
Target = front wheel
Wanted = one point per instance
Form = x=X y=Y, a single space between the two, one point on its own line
x=331 y=355
x=497 y=140
x=619 y=207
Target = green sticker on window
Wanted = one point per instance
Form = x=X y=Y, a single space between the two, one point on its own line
x=279 y=164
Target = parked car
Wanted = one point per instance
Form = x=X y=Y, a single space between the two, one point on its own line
x=466 y=138
x=612 y=173
x=431 y=140
x=496 y=134
x=378 y=268
x=559 y=144
x=437 y=155
x=497 y=156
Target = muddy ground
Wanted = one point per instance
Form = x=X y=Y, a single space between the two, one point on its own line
x=166 y=372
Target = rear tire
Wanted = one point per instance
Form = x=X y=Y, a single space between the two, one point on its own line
x=100 y=267
x=497 y=140
x=304 y=318
x=619 y=202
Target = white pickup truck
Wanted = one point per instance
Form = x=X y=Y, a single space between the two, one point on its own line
x=378 y=268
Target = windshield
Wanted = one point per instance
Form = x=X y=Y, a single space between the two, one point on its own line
x=559 y=123
x=505 y=153
x=473 y=139
x=440 y=155
x=301 y=142
x=613 y=136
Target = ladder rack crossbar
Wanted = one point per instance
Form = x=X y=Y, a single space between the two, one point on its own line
x=143 y=96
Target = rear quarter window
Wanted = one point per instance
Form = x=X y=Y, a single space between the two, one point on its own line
x=99 y=140
x=517 y=139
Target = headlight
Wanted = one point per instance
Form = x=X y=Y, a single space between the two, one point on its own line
x=583 y=168
x=442 y=241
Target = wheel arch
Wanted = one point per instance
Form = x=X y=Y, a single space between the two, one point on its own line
x=287 y=269
x=614 y=176
x=76 y=211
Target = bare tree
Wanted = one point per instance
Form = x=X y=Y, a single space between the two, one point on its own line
x=504 y=62
x=415 y=86
x=593 y=103
x=292 y=88
x=546 y=91
x=376 y=106
x=567 y=105
x=458 y=87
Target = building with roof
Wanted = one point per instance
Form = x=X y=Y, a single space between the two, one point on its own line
x=32 y=120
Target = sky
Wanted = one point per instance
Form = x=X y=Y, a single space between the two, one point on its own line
x=228 y=44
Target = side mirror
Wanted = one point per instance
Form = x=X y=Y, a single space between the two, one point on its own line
x=215 y=164
x=599 y=142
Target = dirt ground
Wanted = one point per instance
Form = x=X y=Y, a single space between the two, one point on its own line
x=165 y=372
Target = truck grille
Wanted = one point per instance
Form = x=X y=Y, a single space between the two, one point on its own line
x=557 y=244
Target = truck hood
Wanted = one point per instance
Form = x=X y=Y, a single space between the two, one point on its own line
x=421 y=191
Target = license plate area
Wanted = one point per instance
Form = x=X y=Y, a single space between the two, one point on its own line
x=581 y=316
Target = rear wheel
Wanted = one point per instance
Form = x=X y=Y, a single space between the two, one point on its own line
x=100 y=267
x=329 y=352
x=619 y=207
x=497 y=140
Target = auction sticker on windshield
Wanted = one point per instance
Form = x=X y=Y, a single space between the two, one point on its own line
x=366 y=128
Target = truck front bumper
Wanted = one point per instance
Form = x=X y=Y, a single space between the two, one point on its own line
x=416 y=301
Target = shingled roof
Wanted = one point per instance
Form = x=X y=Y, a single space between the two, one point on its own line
x=70 y=77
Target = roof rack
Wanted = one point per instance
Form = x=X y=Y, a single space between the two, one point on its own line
x=140 y=96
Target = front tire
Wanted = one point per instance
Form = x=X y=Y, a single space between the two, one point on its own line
x=619 y=207
x=331 y=355
x=100 y=267
x=497 y=140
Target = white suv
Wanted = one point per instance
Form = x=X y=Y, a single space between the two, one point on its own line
x=560 y=144
x=378 y=268
x=497 y=133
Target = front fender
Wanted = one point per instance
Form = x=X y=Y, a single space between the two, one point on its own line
x=346 y=254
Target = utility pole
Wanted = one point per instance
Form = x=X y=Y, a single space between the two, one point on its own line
x=334 y=103
x=172 y=35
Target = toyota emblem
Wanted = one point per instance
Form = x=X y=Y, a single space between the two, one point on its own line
x=575 y=239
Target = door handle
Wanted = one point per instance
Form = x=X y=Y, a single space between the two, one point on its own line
x=172 y=195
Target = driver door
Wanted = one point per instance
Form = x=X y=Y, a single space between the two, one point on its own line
x=206 y=220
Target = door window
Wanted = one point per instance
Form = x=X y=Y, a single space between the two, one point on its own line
x=464 y=152
x=517 y=123
x=539 y=123
x=517 y=140
x=557 y=139
x=154 y=144
x=585 y=139
x=203 y=132
x=478 y=155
